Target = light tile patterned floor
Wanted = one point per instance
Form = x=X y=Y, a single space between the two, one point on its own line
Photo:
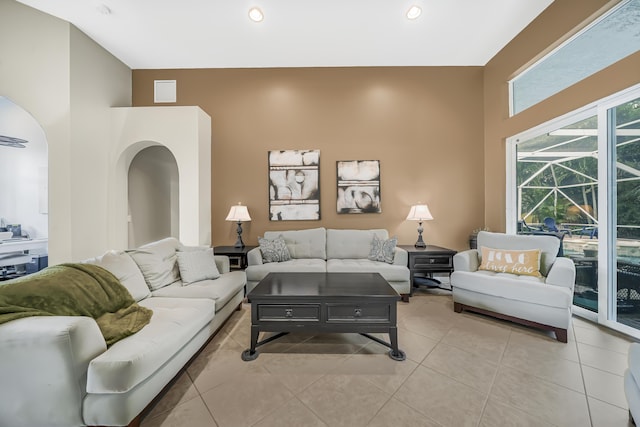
x=461 y=370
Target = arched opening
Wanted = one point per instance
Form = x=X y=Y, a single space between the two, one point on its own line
x=24 y=227
x=153 y=194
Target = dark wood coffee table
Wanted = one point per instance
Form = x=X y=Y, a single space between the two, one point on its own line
x=362 y=303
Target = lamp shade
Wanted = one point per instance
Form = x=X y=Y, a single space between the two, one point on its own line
x=419 y=213
x=238 y=213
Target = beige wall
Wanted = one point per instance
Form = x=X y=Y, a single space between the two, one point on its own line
x=67 y=83
x=554 y=25
x=425 y=125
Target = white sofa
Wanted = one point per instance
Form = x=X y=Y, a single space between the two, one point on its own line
x=632 y=382
x=331 y=250
x=58 y=371
x=544 y=302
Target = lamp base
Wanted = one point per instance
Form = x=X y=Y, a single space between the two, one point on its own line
x=239 y=243
x=420 y=243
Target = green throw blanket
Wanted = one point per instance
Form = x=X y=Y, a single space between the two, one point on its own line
x=75 y=290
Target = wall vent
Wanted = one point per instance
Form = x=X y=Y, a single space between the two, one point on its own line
x=164 y=91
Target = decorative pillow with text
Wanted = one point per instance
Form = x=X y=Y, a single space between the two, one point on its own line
x=520 y=262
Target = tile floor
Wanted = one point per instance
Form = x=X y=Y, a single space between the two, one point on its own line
x=461 y=370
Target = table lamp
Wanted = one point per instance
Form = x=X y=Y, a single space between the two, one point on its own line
x=419 y=213
x=239 y=214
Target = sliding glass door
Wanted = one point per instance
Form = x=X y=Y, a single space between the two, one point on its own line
x=578 y=178
x=557 y=194
x=625 y=209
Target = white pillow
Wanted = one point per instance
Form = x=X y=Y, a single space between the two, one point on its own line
x=197 y=265
x=126 y=270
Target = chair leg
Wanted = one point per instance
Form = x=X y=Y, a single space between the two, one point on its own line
x=457 y=307
x=405 y=297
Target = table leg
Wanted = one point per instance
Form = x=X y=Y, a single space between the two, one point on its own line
x=395 y=353
x=252 y=353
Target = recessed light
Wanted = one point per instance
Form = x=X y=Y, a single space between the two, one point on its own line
x=413 y=12
x=255 y=14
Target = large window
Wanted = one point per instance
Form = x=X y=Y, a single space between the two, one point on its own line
x=578 y=178
x=613 y=37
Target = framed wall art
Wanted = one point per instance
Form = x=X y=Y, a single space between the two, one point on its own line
x=358 y=186
x=294 y=185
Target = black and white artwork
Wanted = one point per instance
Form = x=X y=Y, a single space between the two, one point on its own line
x=358 y=186
x=294 y=185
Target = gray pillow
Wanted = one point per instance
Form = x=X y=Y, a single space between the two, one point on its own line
x=197 y=265
x=383 y=250
x=274 y=250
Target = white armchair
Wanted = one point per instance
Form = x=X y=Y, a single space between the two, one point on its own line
x=544 y=302
x=632 y=382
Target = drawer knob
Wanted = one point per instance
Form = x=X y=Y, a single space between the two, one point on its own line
x=357 y=312
x=288 y=312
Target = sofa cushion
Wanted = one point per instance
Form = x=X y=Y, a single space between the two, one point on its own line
x=221 y=290
x=343 y=244
x=304 y=265
x=132 y=360
x=549 y=245
x=309 y=243
x=520 y=262
x=195 y=266
x=391 y=272
x=511 y=287
x=157 y=261
x=383 y=250
x=126 y=271
x=274 y=250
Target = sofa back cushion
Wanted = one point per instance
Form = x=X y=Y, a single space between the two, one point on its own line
x=310 y=243
x=158 y=262
x=352 y=244
x=548 y=245
x=121 y=265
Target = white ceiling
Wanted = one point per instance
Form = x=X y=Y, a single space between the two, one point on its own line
x=297 y=33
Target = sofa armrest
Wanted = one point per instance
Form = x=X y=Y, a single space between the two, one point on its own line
x=466 y=260
x=562 y=273
x=401 y=257
x=222 y=263
x=254 y=257
x=44 y=360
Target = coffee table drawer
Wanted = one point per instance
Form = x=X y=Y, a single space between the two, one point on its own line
x=358 y=313
x=288 y=312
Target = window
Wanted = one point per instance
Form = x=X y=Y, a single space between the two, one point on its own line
x=611 y=38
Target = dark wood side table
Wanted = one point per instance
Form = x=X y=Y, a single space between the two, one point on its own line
x=237 y=256
x=423 y=262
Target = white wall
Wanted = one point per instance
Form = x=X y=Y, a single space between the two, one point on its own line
x=186 y=132
x=23 y=172
x=68 y=84
x=153 y=196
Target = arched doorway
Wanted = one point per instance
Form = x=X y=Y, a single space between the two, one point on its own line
x=23 y=170
x=153 y=194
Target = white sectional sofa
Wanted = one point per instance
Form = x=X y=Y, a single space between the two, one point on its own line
x=58 y=371
x=331 y=250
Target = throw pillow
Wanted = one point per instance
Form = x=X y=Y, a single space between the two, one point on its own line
x=383 y=250
x=521 y=262
x=274 y=250
x=197 y=265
